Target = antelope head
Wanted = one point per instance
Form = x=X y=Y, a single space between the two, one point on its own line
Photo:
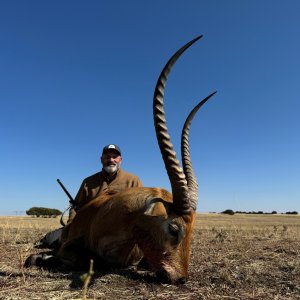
x=167 y=246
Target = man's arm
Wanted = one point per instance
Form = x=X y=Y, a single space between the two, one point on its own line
x=79 y=200
x=136 y=182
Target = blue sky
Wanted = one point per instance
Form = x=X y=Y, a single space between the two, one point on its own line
x=77 y=75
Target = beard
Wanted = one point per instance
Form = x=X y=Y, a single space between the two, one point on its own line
x=111 y=168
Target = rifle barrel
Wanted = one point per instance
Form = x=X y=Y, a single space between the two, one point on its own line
x=65 y=190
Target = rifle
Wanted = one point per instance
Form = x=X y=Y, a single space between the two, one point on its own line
x=71 y=201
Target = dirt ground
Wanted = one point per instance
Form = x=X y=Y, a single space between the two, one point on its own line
x=232 y=257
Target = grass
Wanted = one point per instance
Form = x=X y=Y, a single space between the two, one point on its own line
x=232 y=257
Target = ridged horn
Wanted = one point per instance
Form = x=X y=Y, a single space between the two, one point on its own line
x=186 y=156
x=176 y=175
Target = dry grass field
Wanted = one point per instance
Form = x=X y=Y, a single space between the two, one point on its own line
x=232 y=257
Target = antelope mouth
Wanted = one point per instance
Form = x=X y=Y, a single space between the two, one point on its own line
x=168 y=274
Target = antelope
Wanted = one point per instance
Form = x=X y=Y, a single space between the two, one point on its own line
x=145 y=223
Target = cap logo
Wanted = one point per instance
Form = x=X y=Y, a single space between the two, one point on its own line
x=111 y=147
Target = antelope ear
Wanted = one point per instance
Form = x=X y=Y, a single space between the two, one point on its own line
x=156 y=208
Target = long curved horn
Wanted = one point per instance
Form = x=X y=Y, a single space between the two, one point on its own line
x=186 y=157
x=177 y=178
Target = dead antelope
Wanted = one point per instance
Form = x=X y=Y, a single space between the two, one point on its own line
x=121 y=229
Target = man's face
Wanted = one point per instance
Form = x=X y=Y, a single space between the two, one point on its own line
x=111 y=161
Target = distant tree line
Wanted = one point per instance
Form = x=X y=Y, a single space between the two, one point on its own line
x=231 y=212
x=43 y=212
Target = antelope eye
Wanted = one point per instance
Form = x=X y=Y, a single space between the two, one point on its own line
x=174 y=229
x=176 y=232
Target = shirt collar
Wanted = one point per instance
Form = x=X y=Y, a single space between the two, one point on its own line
x=109 y=178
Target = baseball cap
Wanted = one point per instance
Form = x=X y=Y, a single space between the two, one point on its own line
x=111 y=146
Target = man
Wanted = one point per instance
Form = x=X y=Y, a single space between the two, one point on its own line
x=111 y=178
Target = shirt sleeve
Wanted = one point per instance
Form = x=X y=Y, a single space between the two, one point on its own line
x=81 y=197
x=137 y=182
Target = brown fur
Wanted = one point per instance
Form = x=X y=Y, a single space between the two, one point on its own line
x=121 y=228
